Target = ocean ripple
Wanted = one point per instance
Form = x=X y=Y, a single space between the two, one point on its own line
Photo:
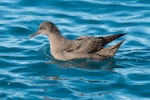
x=28 y=70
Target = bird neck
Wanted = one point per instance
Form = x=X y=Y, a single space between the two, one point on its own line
x=56 y=37
x=56 y=41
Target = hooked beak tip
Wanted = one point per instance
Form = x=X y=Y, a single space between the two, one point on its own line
x=33 y=35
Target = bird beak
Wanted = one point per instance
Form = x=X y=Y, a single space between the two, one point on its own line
x=33 y=35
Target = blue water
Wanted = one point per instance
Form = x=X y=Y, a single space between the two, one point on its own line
x=29 y=72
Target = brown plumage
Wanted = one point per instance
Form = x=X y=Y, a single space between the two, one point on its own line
x=83 y=47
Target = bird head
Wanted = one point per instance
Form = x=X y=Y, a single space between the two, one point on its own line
x=46 y=28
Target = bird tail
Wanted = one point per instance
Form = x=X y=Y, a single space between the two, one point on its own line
x=110 y=38
x=110 y=51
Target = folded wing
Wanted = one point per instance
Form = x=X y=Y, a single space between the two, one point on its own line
x=91 y=44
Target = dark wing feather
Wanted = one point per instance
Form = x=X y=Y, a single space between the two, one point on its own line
x=86 y=44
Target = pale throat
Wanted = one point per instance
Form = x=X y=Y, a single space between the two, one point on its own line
x=56 y=40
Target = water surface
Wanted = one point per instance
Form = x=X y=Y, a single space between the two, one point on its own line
x=27 y=72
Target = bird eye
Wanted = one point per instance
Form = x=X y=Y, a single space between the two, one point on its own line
x=44 y=28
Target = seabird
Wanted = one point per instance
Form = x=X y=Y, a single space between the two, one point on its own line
x=88 y=47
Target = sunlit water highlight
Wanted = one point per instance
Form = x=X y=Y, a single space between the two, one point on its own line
x=28 y=71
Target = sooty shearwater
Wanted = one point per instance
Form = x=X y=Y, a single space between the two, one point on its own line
x=83 y=47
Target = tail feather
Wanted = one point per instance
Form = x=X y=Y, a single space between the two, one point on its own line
x=110 y=51
x=110 y=38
